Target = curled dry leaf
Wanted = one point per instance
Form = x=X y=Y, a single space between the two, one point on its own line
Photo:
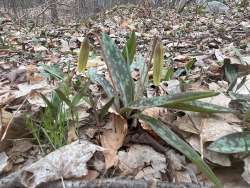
x=211 y=127
x=246 y=173
x=69 y=161
x=214 y=157
x=5 y=117
x=137 y=160
x=112 y=139
x=4 y=163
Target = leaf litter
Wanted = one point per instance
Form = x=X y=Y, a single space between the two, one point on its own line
x=196 y=46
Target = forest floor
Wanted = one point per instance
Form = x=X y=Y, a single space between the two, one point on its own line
x=202 y=52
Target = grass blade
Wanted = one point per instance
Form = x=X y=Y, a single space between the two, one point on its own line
x=63 y=97
x=199 y=106
x=142 y=83
x=169 y=74
x=158 y=59
x=78 y=97
x=105 y=108
x=172 y=139
x=83 y=55
x=129 y=49
x=170 y=99
x=119 y=70
x=48 y=103
x=232 y=143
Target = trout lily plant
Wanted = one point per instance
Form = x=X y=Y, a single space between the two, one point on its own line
x=127 y=95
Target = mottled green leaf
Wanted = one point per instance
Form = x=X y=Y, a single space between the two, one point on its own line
x=199 y=106
x=170 y=99
x=231 y=75
x=141 y=84
x=101 y=80
x=238 y=54
x=158 y=59
x=119 y=70
x=53 y=71
x=232 y=143
x=172 y=139
x=129 y=49
x=83 y=55
x=242 y=82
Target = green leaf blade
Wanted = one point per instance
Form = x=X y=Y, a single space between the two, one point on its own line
x=63 y=97
x=83 y=55
x=129 y=49
x=119 y=70
x=161 y=101
x=200 y=106
x=172 y=139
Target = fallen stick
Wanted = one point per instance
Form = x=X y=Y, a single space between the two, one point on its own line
x=116 y=183
x=13 y=181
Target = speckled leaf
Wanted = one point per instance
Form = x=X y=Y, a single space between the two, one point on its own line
x=158 y=58
x=232 y=143
x=101 y=80
x=141 y=84
x=199 y=106
x=129 y=49
x=170 y=99
x=172 y=139
x=119 y=70
x=83 y=55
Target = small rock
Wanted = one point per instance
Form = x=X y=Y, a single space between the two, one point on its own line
x=217 y=7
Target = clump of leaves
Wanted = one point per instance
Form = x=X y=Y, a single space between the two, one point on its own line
x=52 y=129
x=60 y=114
x=127 y=97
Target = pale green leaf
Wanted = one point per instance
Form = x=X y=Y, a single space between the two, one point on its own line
x=158 y=58
x=83 y=55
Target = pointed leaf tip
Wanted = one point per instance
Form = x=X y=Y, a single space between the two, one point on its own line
x=83 y=55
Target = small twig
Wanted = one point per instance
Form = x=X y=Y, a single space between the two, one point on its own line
x=63 y=184
x=48 y=6
x=8 y=125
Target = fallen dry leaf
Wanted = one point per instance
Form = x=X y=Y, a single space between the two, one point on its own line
x=5 y=118
x=137 y=160
x=21 y=146
x=216 y=158
x=72 y=136
x=69 y=161
x=246 y=173
x=4 y=163
x=112 y=139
